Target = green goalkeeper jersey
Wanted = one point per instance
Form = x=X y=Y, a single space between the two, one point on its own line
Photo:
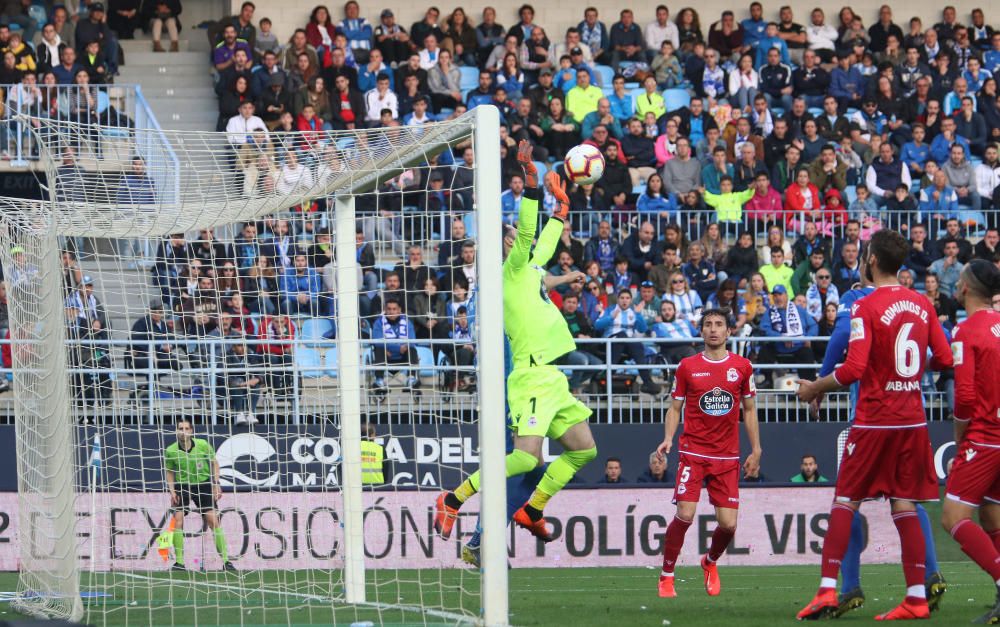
x=193 y=466
x=536 y=328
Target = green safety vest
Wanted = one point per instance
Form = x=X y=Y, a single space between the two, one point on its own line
x=371 y=463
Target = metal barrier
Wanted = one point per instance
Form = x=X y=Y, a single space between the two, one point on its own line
x=435 y=405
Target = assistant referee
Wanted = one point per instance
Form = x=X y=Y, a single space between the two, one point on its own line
x=193 y=479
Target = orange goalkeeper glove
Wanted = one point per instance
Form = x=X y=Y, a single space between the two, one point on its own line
x=557 y=187
x=524 y=150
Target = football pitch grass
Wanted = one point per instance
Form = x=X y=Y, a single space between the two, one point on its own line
x=751 y=596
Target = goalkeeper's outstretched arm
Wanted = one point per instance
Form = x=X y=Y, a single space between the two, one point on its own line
x=527 y=217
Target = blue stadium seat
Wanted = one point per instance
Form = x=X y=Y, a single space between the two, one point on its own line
x=331 y=364
x=425 y=358
x=815 y=111
x=605 y=74
x=850 y=195
x=38 y=13
x=470 y=77
x=308 y=362
x=637 y=92
x=542 y=168
x=313 y=330
x=676 y=98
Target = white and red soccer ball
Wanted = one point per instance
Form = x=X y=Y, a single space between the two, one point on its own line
x=584 y=164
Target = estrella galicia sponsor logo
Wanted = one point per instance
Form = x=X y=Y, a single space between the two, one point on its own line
x=716 y=402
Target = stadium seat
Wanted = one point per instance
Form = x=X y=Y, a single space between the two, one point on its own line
x=605 y=74
x=676 y=98
x=637 y=92
x=313 y=330
x=542 y=168
x=815 y=111
x=470 y=77
x=38 y=13
x=425 y=358
x=850 y=195
x=308 y=362
x=331 y=364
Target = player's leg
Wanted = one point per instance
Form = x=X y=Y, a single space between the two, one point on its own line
x=687 y=491
x=579 y=449
x=725 y=529
x=934 y=585
x=989 y=517
x=956 y=518
x=673 y=541
x=178 y=535
x=838 y=536
x=851 y=596
x=210 y=515
x=911 y=539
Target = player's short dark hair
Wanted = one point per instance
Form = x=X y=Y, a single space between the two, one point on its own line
x=620 y=259
x=809 y=456
x=724 y=178
x=669 y=246
x=722 y=312
x=392 y=301
x=624 y=290
x=184 y=419
x=890 y=248
x=982 y=277
x=777 y=249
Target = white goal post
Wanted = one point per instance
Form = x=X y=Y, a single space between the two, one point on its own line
x=204 y=181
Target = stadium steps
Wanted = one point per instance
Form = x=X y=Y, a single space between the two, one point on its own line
x=177 y=85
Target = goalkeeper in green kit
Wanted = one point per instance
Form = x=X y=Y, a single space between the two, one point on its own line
x=192 y=475
x=541 y=404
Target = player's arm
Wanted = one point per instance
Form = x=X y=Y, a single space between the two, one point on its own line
x=854 y=366
x=670 y=429
x=837 y=345
x=549 y=239
x=965 y=384
x=552 y=281
x=527 y=217
x=751 y=467
x=941 y=356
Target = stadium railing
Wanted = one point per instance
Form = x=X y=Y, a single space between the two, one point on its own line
x=113 y=107
x=613 y=399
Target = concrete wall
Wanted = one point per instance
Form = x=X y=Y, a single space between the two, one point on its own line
x=556 y=15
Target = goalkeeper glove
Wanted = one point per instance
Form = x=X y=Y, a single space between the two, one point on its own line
x=557 y=187
x=524 y=149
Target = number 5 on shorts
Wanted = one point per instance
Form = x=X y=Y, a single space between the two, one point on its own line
x=682 y=480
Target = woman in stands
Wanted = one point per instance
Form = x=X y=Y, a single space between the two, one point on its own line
x=562 y=130
x=716 y=246
x=756 y=297
x=775 y=237
x=321 y=31
x=231 y=99
x=685 y=300
x=460 y=37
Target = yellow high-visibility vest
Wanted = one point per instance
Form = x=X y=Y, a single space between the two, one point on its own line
x=371 y=463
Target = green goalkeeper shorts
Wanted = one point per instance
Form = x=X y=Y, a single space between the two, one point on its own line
x=541 y=403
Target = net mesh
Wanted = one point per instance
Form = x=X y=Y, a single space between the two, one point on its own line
x=199 y=280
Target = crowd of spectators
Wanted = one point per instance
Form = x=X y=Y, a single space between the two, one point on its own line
x=747 y=165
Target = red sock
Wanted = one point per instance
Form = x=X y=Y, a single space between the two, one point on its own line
x=721 y=538
x=673 y=542
x=838 y=536
x=995 y=536
x=977 y=545
x=912 y=540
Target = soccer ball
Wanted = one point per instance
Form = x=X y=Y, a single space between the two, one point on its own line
x=584 y=164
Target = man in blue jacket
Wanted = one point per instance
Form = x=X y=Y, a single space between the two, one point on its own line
x=785 y=319
x=624 y=321
x=300 y=287
x=846 y=83
x=387 y=330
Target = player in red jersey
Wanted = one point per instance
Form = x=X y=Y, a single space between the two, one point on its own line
x=888 y=452
x=711 y=386
x=974 y=480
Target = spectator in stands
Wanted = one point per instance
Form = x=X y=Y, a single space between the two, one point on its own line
x=740 y=261
x=391 y=39
x=266 y=40
x=777 y=273
x=263 y=75
x=987 y=247
x=237 y=386
x=387 y=331
x=657 y=470
x=624 y=321
x=806 y=271
x=726 y=37
x=821 y=295
x=151 y=341
x=603 y=247
x=445 y=83
x=321 y=31
x=728 y=204
x=668 y=326
x=647 y=304
x=300 y=288
x=953 y=233
x=95 y=28
x=948 y=268
x=962 y=178
x=68 y=68
x=808 y=243
x=379 y=99
x=584 y=98
x=653 y=203
x=462 y=355
x=944 y=305
x=277 y=352
x=749 y=165
x=136 y=187
x=682 y=174
x=585 y=354
x=885 y=174
x=809 y=469
x=242 y=22
x=640 y=250
x=687 y=302
x=612 y=471
x=357 y=30
x=159 y=14
x=775 y=78
x=224 y=53
x=785 y=319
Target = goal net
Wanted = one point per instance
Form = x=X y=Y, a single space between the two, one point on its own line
x=322 y=309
